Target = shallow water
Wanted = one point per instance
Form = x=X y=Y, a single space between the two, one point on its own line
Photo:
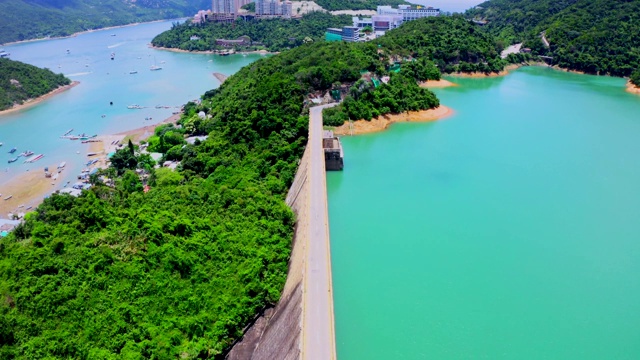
x=183 y=77
x=507 y=231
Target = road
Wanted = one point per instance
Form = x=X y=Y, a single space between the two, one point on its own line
x=318 y=331
x=513 y=49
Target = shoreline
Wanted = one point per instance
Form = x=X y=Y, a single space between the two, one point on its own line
x=442 y=83
x=31 y=102
x=31 y=187
x=88 y=31
x=381 y=123
x=221 y=77
x=631 y=88
x=210 y=52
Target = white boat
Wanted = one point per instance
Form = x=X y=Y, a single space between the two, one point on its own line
x=155 y=67
x=133 y=72
x=62 y=165
x=4 y=54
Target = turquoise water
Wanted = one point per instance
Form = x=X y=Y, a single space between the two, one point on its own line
x=184 y=77
x=507 y=231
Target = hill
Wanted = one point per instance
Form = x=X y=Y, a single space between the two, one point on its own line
x=31 y=19
x=20 y=82
x=593 y=36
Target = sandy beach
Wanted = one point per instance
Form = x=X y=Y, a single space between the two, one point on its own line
x=632 y=88
x=383 y=122
x=27 y=189
x=436 y=83
x=209 y=51
x=38 y=100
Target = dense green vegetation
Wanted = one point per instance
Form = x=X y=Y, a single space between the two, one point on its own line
x=594 y=36
x=179 y=268
x=401 y=94
x=20 y=82
x=332 y=5
x=635 y=78
x=452 y=42
x=273 y=34
x=29 y=19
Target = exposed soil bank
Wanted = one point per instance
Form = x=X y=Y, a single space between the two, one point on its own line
x=436 y=83
x=381 y=123
x=632 y=88
x=38 y=100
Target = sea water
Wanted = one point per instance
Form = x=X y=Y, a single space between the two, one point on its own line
x=510 y=230
x=86 y=108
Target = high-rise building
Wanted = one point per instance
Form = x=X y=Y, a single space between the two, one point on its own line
x=269 y=8
x=224 y=10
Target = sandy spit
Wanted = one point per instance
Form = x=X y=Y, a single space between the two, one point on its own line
x=209 y=51
x=632 y=88
x=436 y=83
x=38 y=100
x=383 y=122
x=221 y=77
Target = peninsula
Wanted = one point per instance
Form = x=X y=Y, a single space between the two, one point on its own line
x=23 y=85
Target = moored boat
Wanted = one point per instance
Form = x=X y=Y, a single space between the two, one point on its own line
x=62 y=165
x=12 y=150
x=13 y=160
x=26 y=153
x=34 y=158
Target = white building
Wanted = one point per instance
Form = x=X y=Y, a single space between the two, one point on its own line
x=408 y=13
x=388 y=18
x=276 y=8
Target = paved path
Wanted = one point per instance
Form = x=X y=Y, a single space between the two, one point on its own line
x=318 y=332
x=513 y=49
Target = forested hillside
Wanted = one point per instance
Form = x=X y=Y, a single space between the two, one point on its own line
x=30 y=19
x=332 y=5
x=452 y=42
x=594 y=36
x=274 y=34
x=179 y=269
x=20 y=82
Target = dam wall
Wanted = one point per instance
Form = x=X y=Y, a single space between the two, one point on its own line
x=301 y=325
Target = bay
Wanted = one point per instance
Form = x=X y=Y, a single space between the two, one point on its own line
x=184 y=77
x=507 y=231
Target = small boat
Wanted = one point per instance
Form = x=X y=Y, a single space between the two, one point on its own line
x=68 y=51
x=4 y=54
x=68 y=132
x=113 y=56
x=133 y=72
x=13 y=160
x=134 y=106
x=34 y=158
x=12 y=150
x=8 y=197
x=26 y=153
x=113 y=34
x=0 y=144
x=92 y=154
x=155 y=67
x=62 y=165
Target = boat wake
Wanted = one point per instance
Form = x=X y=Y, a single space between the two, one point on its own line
x=115 y=45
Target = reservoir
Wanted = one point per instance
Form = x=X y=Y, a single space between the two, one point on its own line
x=126 y=80
x=507 y=231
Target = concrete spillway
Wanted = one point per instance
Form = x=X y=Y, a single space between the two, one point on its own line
x=301 y=326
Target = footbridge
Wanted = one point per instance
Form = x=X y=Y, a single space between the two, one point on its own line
x=301 y=326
